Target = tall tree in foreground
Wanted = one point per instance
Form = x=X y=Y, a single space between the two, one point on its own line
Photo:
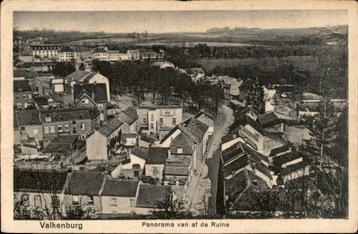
x=330 y=176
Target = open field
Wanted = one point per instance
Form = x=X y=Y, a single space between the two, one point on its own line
x=101 y=41
x=192 y=44
x=266 y=63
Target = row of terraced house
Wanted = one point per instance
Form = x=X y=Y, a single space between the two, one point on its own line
x=67 y=53
x=54 y=193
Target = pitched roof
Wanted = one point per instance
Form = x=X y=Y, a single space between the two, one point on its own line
x=202 y=112
x=176 y=170
x=232 y=152
x=278 y=150
x=239 y=163
x=279 y=160
x=128 y=116
x=157 y=156
x=66 y=49
x=61 y=144
x=110 y=127
x=26 y=117
x=69 y=114
x=129 y=135
x=84 y=183
x=308 y=107
x=79 y=75
x=268 y=119
x=149 y=196
x=25 y=73
x=184 y=142
x=39 y=180
x=21 y=86
x=140 y=152
x=147 y=138
x=119 y=188
x=297 y=166
x=97 y=92
x=195 y=129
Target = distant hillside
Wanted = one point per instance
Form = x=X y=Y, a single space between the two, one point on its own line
x=339 y=29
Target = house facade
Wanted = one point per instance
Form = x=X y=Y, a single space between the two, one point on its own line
x=118 y=196
x=159 y=120
x=22 y=94
x=46 y=51
x=82 y=189
x=67 y=54
x=27 y=126
x=91 y=96
x=39 y=192
x=102 y=142
x=87 y=77
x=80 y=122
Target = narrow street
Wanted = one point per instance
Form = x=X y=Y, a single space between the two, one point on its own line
x=199 y=190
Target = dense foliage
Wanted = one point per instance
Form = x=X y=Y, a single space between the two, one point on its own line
x=166 y=86
x=63 y=69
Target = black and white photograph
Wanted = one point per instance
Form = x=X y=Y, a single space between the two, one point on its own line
x=186 y=115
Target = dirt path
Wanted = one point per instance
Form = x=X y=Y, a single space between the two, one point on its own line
x=201 y=185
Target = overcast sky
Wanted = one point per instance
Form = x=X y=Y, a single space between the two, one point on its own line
x=176 y=21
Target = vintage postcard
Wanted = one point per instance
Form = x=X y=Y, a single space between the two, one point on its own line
x=176 y=117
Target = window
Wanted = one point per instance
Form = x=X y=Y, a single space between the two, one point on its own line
x=30 y=96
x=83 y=126
x=37 y=201
x=113 y=201
x=74 y=131
x=25 y=199
x=90 y=200
x=18 y=105
x=67 y=127
x=59 y=128
x=18 y=96
x=151 y=117
x=74 y=122
x=52 y=129
x=22 y=128
x=151 y=126
x=174 y=121
x=75 y=200
x=46 y=129
x=85 y=101
x=161 y=121
x=35 y=132
x=180 y=150
x=48 y=118
x=131 y=202
x=145 y=120
x=24 y=96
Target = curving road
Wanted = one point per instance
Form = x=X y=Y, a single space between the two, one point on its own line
x=199 y=190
